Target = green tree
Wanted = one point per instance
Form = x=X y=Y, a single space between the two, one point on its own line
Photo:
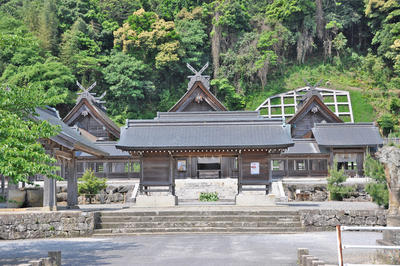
x=130 y=86
x=90 y=185
x=232 y=100
x=150 y=39
x=21 y=155
x=387 y=123
x=335 y=182
x=377 y=189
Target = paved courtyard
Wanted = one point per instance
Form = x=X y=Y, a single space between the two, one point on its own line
x=210 y=249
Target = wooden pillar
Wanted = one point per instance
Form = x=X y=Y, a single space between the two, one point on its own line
x=287 y=167
x=269 y=167
x=331 y=158
x=360 y=162
x=72 y=196
x=240 y=173
x=308 y=166
x=171 y=177
x=3 y=186
x=105 y=168
x=49 y=190
x=141 y=174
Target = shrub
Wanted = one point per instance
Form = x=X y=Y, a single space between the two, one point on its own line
x=378 y=188
x=336 y=178
x=209 y=196
x=91 y=184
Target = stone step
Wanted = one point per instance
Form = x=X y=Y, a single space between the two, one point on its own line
x=185 y=224
x=247 y=218
x=248 y=230
x=198 y=213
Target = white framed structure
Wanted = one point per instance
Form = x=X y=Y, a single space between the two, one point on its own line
x=285 y=105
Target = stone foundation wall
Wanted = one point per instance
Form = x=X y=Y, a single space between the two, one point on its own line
x=328 y=219
x=46 y=224
x=227 y=189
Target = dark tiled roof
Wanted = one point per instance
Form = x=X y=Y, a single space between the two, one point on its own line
x=306 y=146
x=197 y=131
x=73 y=135
x=108 y=146
x=347 y=135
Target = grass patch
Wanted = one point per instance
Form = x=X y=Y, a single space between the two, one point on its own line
x=276 y=111
x=289 y=110
x=345 y=118
x=332 y=107
x=343 y=108
x=276 y=101
x=362 y=109
x=288 y=100
x=264 y=111
x=328 y=99
x=341 y=99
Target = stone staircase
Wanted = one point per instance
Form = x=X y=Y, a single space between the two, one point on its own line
x=193 y=222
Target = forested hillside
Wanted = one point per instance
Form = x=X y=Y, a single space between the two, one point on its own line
x=137 y=50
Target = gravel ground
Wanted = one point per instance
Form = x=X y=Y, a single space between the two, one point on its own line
x=202 y=249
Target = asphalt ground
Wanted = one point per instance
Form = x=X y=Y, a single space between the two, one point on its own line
x=193 y=249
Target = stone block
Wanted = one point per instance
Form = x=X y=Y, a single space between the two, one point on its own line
x=17 y=195
x=301 y=252
x=309 y=260
x=156 y=201
x=304 y=259
x=35 y=262
x=55 y=256
x=34 y=197
x=317 y=263
x=255 y=200
x=62 y=197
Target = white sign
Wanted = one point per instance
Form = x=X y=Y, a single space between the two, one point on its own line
x=255 y=168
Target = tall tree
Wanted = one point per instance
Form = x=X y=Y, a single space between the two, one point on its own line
x=21 y=155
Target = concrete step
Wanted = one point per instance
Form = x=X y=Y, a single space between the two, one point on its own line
x=185 y=224
x=247 y=230
x=236 y=218
x=198 y=213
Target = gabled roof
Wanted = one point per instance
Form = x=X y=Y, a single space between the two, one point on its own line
x=205 y=130
x=190 y=96
x=95 y=110
x=347 y=135
x=69 y=137
x=305 y=146
x=321 y=107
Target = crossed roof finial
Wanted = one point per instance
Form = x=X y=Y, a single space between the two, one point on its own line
x=87 y=94
x=198 y=77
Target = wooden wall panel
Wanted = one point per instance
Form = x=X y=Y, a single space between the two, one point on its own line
x=247 y=159
x=155 y=168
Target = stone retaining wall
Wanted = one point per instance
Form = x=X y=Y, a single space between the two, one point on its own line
x=227 y=189
x=328 y=219
x=46 y=224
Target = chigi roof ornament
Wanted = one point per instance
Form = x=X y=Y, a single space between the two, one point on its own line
x=198 y=77
x=89 y=95
x=311 y=91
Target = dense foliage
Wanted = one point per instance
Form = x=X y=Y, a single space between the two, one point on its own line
x=378 y=187
x=21 y=155
x=137 y=50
